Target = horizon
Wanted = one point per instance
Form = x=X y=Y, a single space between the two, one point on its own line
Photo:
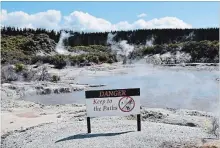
x=113 y=30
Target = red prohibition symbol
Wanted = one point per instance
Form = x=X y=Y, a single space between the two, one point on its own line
x=126 y=104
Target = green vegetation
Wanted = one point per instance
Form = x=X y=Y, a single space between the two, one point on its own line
x=161 y=36
x=22 y=45
x=55 y=78
x=11 y=43
x=60 y=61
x=203 y=51
x=19 y=67
x=90 y=48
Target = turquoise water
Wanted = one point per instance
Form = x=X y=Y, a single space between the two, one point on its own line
x=160 y=87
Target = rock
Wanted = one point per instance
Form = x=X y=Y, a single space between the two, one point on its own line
x=38 y=87
x=41 y=106
x=22 y=129
x=62 y=90
x=67 y=90
x=190 y=124
x=56 y=91
x=8 y=73
x=11 y=122
x=43 y=113
x=47 y=91
x=35 y=66
x=152 y=115
x=80 y=119
x=59 y=116
x=12 y=87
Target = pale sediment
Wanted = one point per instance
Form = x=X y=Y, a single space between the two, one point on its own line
x=28 y=124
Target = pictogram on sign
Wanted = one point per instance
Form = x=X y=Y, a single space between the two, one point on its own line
x=126 y=104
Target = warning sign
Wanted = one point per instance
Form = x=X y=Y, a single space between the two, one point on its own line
x=126 y=104
x=119 y=102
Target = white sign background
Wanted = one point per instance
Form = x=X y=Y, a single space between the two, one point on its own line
x=97 y=107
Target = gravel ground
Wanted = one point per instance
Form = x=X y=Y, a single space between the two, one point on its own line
x=106 y=133
x=160 y=128
x=29 y=125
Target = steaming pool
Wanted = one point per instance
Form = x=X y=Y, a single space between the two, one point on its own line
x=173 y=87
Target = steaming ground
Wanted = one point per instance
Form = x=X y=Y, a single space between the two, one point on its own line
x=176 y=87
x=28 y=124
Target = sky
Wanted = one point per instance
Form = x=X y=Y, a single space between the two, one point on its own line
x=107 y=16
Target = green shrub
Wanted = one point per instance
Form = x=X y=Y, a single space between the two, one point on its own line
x=58 y=61
x=10 y=43
x=93 y=58
x=13 y=57
x=55 y=78
x=19 y=67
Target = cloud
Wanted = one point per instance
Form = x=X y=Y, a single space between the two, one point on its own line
x=142 y=15
x=49 y=19
x=82 y=21
x=85 y=22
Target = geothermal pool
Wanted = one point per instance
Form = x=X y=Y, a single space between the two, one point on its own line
x=173 y=87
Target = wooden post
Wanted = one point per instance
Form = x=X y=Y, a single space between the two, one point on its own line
x=139 y=122
x=88 y=125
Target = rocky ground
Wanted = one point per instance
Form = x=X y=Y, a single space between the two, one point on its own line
x=33 y=125
x=28 y=124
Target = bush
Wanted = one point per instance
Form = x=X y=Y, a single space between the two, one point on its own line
x=148 y=50
x=55 y=78
x=202 y=50
x=13 y=57
x=59 y=61
x=90 y=48
x=19 y=67
x=103 y=58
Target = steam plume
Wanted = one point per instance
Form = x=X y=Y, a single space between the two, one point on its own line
x=60 y=48
x=122 y=48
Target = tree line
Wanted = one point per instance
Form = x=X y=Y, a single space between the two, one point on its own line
x=137 y=37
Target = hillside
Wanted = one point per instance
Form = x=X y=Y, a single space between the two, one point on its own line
x=30 y=46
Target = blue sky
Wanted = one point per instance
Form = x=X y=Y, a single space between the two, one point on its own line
x=197 y=14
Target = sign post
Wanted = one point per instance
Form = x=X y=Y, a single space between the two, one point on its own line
x=117 y=102
x=139 y=122
x=88 y=125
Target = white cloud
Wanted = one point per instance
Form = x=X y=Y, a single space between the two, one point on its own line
x=85 y=22
x=81 y=21
x=49 y=19
x=142 y=15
